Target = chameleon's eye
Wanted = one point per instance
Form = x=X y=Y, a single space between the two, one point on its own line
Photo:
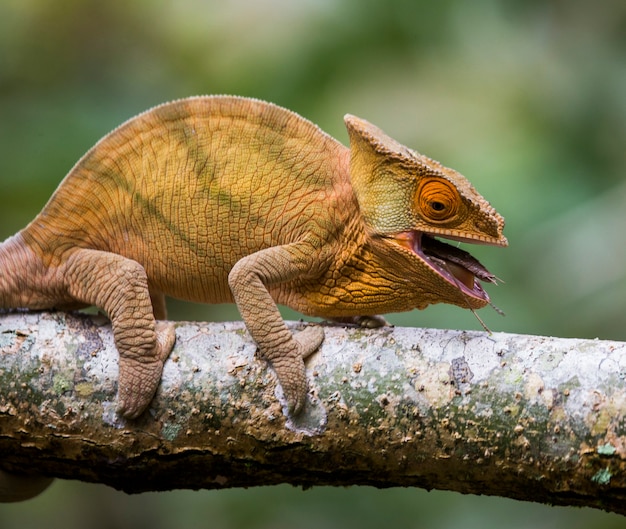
x=437 y=199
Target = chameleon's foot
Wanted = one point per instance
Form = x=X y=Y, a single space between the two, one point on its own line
x=371 y=322
x=290 y=369
x=309 y=339
x=140 y=376
x=368 y=322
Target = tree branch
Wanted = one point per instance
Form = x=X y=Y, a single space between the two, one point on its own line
x=525 y=417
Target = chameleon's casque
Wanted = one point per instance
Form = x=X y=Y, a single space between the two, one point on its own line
x=227 y=199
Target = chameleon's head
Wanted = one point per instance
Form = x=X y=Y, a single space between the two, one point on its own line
x=408 y=199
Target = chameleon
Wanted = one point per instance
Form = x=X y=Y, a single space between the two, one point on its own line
x=221 y=199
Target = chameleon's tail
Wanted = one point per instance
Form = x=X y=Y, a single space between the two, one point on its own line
x=21 y=276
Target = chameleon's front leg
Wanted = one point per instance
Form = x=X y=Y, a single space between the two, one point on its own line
x=248 y=281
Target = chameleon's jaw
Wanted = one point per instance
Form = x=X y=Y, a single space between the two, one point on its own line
x=454 y=265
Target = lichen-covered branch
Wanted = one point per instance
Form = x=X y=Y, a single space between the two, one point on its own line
x=525 y=417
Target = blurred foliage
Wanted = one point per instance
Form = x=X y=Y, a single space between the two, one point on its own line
x=527 y=99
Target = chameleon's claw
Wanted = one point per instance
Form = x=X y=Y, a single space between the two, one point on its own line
x=291 y=371
x=139 y=379
x=138 y=382
x=292 y=379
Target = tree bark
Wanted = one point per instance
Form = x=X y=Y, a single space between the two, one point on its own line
x=526 y=417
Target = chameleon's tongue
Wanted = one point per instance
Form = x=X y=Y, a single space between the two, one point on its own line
x=453 y=264
x=462 y=274
x=458 y=262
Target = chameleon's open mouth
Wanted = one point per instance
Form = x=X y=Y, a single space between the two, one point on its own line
x=456 y=266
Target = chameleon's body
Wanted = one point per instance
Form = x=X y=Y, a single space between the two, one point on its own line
x=222 y=199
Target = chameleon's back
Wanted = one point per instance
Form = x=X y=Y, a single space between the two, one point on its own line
x=177 y=187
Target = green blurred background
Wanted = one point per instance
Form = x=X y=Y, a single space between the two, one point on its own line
x=527 y=99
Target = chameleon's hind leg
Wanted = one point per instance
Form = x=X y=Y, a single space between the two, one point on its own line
x=120 y=287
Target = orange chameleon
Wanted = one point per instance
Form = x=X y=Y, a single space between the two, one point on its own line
x=227 y=199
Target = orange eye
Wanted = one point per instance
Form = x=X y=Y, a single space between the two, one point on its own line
x=437 y=199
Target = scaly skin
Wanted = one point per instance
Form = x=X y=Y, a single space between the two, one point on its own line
x=226 y=199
